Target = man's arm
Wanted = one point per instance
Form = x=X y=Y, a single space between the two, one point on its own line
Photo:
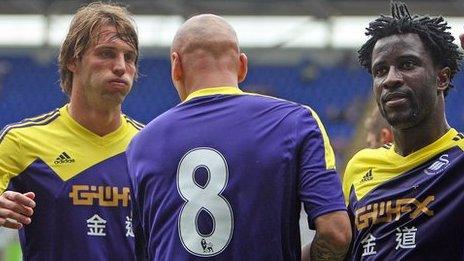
x=332 y=240
x=16 y=209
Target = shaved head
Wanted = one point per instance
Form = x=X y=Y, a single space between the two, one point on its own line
x=208 y=33
x=205 y=53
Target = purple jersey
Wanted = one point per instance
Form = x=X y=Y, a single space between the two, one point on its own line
x=223 y=175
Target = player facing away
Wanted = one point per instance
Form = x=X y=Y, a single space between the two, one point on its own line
x=222 y=175
x=70 y=163
x=405 y=200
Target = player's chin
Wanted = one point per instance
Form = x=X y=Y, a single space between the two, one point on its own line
x=114 y=98
x=117 y=89
x=403 y=120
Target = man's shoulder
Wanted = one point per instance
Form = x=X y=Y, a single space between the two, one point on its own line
x=459 y=139
x=134 y=125
x=253 y=106
x=291 y=109
x=30 y=126
x=360 y=167
x=367 y=156
x=266 y=99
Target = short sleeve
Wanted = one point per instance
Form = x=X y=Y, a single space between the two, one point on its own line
x=10 y=151
x=320 y=186
x=347 y=181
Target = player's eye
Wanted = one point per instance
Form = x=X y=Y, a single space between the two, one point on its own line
x=107 y=54
x=407 y=65
x=379 y=71
x=130 y=57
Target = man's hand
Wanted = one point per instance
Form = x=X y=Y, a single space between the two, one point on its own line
x=16 y=209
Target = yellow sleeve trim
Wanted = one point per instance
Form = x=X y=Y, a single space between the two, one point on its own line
x=36 y=121
x=329 y=153
x=347 y=181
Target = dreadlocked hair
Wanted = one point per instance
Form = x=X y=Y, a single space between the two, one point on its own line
x=433 y=33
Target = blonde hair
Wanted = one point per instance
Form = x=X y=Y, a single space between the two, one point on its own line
x=87 y=20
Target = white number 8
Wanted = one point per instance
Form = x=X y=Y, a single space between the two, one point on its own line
x=207 y=198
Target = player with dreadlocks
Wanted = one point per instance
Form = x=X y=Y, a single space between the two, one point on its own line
x=406 y=199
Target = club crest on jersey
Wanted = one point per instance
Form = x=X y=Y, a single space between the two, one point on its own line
x=438 y=166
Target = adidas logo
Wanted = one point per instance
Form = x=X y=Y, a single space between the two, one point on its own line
x=64 y=158
x=368 y=176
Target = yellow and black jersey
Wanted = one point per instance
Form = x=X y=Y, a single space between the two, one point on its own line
x=81 y=187
x=403 y=207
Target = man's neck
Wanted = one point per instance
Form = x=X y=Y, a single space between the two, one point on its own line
x=100 y=121
x=413 y=139
x=208 y=80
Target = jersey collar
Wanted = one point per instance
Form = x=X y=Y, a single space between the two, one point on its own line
x=224 y=90
x=443 y=143
x=89 y=135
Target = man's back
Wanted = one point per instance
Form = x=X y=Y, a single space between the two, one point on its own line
x=223 y=174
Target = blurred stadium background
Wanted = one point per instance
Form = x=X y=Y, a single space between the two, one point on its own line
x=300 y=50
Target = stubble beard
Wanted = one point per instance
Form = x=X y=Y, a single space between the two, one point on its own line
x=403 y=119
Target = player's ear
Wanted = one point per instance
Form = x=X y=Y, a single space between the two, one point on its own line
x=443 y=79
x=72 y=65
x=176 y=67
x=177 y=75
x=243 y=67
x=386 y=136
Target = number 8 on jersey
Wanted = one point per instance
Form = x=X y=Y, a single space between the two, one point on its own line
x=204 y=198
